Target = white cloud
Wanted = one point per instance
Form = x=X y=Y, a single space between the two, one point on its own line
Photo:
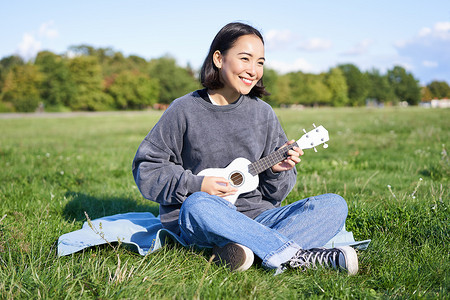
x=315 y=44
x=31 y=43
x=426 y=35
x=47 y=30
x=428 y=52
x=299 y=64
x=361 y=48
x=279 y=39
x=429 y=64
x=424 y=31
x=29 y=46
x=286 y=39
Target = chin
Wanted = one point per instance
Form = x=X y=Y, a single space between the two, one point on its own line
x=246 y=91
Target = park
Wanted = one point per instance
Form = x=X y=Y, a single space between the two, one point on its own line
x=391 y=164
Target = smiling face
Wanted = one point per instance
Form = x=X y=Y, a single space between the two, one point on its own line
x=241 y=67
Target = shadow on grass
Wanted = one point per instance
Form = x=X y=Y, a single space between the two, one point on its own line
x=97 y=207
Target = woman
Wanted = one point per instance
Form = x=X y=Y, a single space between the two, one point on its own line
x=209 y=128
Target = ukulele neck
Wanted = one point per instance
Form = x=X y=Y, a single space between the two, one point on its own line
x=270 y=160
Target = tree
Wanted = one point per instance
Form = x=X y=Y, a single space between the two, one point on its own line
x=137 y=63
x=86 y=74
x=405 y=86
x=380 y=88
x=21 y=87
x=270 y=79
x=133 y=90
x=296 y=88
x=357 y=82
x=318 y=92
x=426 y=94
x=283 y=93
x=309 y=89
x=174 y=81
x=439 y=89
x=6 y=64
x=335 y=80
x=57 y=87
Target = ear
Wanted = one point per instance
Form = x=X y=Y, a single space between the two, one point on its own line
x=217 y=59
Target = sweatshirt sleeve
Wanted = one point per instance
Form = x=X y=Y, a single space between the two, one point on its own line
x=157 y=166
x=276 y=186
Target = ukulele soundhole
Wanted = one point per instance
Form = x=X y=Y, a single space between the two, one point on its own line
x=237 y=178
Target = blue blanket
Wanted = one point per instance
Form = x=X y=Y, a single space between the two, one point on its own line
x=144 y=231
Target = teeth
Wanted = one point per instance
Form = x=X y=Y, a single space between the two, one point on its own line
x=246 y=80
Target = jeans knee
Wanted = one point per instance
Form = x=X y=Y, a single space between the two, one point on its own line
x=334 y=204
x=194 y=203
x=339 y=205
x=203 y=206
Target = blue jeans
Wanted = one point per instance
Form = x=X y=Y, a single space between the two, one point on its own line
x=274 y=236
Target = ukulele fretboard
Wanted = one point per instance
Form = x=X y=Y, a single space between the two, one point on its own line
x=270 y=160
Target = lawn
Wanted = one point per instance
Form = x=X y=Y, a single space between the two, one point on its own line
x=391 y=165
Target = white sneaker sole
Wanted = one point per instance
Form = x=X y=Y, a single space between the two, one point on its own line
x=237 y=257
x=351 y=260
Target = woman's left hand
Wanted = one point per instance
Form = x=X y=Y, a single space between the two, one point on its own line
x=290 y=161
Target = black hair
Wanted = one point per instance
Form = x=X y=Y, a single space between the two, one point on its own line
x=224 y=40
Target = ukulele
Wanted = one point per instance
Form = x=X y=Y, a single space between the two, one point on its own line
x=243 y=174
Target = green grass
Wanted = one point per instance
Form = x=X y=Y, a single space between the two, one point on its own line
x=54 y=169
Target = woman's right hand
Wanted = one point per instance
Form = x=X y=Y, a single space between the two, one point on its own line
x=217 y=186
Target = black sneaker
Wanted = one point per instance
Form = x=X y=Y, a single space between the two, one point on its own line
x=237 y=257
x=344 y=258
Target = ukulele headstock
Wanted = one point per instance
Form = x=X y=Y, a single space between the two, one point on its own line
x=313 y=138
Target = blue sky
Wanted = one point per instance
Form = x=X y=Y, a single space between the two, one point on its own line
x=310 y=36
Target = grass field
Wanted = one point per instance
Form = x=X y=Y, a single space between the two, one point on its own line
x=391 y=165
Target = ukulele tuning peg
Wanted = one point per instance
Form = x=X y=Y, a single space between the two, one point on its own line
x=314 y=125
x=304 y=130
x=325 y=145
x=315 y=150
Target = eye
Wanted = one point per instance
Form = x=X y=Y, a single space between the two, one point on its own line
x=261 y=63
x=244 y=59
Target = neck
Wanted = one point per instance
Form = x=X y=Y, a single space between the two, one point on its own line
x=223 y=97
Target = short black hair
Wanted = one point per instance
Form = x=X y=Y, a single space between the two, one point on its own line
x=224 y=40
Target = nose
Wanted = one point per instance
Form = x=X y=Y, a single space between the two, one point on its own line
x=251 y=70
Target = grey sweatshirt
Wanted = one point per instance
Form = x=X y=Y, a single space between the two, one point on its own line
x=193 y=135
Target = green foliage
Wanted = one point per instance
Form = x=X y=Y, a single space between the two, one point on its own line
x=133 y=91
x=88 y=78
x=405 y=86
x=380 y=88
x=54 y=169
x=6 y=64
x=174 y=81
x=357 y=82
x=86 y=74
x=270 y=81
x=57 y=86
x=439 y=89
x=21 y=87
x=337 y=84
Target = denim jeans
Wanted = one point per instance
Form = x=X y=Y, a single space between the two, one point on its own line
x=274 y=236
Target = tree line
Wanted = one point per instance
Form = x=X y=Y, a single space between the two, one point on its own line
x=98 y=79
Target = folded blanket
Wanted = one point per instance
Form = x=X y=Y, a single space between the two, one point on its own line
x=144 y=231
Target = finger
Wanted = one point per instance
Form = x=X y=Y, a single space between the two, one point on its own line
x=222 y=181
x=298 y=150
x=289 y=142
x=295 y=159
x=226 y=188
x=293 y=153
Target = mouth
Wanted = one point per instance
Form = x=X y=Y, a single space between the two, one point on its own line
x=246 y=81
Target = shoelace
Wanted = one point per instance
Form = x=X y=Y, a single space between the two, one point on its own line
x=311 y=258
x=305 y=259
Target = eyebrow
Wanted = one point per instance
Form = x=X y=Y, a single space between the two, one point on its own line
x=249 y=54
